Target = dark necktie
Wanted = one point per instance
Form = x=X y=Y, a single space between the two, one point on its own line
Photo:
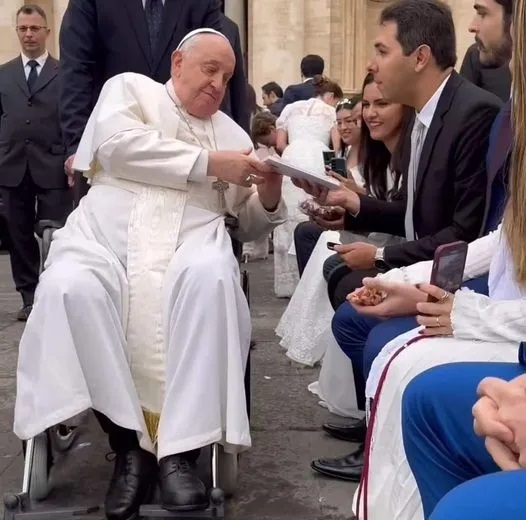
x=154 y=19
x=33 y=75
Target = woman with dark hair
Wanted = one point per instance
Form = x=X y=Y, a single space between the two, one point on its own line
x=305 y=129
x=253 y=107
x=305 y=325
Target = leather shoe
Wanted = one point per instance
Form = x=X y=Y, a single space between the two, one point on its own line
x=344 y=468
x=131 y=485
x=181 y=488
x=24 y=312
x=352 y=431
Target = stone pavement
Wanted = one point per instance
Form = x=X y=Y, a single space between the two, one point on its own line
x=276 y=482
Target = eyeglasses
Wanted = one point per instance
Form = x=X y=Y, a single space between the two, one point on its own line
x=31 y=28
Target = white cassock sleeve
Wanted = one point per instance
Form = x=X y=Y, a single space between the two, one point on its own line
x=480 y=253
x=119 y=141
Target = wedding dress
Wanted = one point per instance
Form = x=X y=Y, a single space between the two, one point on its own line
x=308 y=125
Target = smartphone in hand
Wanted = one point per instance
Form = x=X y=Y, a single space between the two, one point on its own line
x=330 y=245
x=339 y=165
x=328 y=156
x=448 y=266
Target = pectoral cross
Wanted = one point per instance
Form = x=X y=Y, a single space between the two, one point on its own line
x=221 y=187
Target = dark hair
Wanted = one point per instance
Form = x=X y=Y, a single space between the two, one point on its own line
x=272 y=86
x=253 y=106
x=507 y=5
x=376 y=158
x=424 y=22
x=323 y=85
x=262 y=125
x=30 y=9
x=311 y=65
x=347 y=104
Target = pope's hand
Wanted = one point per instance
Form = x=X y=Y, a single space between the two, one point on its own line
x=239 y=168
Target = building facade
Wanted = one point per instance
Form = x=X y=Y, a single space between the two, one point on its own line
x=276 y=34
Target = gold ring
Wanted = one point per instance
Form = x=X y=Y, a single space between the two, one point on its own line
x=444 y=298
x=438 y=322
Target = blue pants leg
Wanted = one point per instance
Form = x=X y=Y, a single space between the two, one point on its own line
x=491 y=497
x=351 y=330
x=361 y=338
x=437 y=424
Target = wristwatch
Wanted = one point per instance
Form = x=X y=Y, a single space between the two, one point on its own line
x=379 y=261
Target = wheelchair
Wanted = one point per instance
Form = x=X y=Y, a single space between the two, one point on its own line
x=218 y=470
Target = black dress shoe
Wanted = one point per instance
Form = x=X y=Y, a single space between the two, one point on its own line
x=352 y=431
x=181 y=488
x=132 y=484
x=24 y=312
x=344 y=468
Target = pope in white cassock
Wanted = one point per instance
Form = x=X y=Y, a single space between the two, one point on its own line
x=139 y=313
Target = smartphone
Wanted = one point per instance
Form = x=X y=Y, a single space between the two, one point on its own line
x=328 y=156
x=448 y=266
x=330 y=245
x=339 y=165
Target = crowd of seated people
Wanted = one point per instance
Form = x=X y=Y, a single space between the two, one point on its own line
x=374 y=126
x=416 y=443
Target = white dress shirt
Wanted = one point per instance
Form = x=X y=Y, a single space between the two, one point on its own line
x=41 y=60
x=144 y=3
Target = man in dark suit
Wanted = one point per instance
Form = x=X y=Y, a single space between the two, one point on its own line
x=232 y=104
x=444 y=178
x=31 y=151
x=100 y=39
x=362 y=337
x=311 y=65
x=272 y=95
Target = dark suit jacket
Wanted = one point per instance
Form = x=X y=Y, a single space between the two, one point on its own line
x=235 y=102
x=29 y=127
x=298 y=92
x=452 y=183
x=100 y=39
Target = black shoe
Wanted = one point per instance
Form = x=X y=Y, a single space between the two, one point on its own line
x=24 y=312
x=181 y=488
x=131 y=485
x=345 y=468
x=352 y=431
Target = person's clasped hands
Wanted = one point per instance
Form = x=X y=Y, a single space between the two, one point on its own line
x=500 y=418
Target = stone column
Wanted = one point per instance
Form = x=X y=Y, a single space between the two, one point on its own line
x=463 y=13
x=58 y=12
x=235 y=10
x=9 y=45
x=276 y=41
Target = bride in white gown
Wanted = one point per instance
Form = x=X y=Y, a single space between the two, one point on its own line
x=304 y=130
x=305 y=325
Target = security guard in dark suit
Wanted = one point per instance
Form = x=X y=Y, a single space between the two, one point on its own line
x=32 y=177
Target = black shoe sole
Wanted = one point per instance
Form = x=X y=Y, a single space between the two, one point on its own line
x=327 y=473
x=184 y=509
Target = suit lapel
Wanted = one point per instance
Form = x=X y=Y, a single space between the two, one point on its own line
x=444 y=104
x=20 y=76
x=137 y=17
x=48 y=72
x=171 y=15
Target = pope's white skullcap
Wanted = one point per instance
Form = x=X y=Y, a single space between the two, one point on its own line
x=197 y=32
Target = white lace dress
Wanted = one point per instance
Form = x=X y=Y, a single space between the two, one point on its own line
x=308 y=124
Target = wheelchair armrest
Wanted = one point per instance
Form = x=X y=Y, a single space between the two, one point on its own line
x=47 y=224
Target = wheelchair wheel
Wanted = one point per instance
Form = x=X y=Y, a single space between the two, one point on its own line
x=39 y=485
x=227 y=471
x=63 y=437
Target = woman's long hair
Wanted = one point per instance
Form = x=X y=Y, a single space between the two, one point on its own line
x=515 y=215
x=323 y=85
x=375 y=158
x=252 y=103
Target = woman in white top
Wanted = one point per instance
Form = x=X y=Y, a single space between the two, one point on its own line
x=305 y=129
x=305 y=325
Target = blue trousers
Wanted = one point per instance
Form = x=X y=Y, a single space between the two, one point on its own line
x=362 y=338
x=456 y=476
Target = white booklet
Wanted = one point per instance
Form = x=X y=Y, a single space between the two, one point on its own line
x=287 y=169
